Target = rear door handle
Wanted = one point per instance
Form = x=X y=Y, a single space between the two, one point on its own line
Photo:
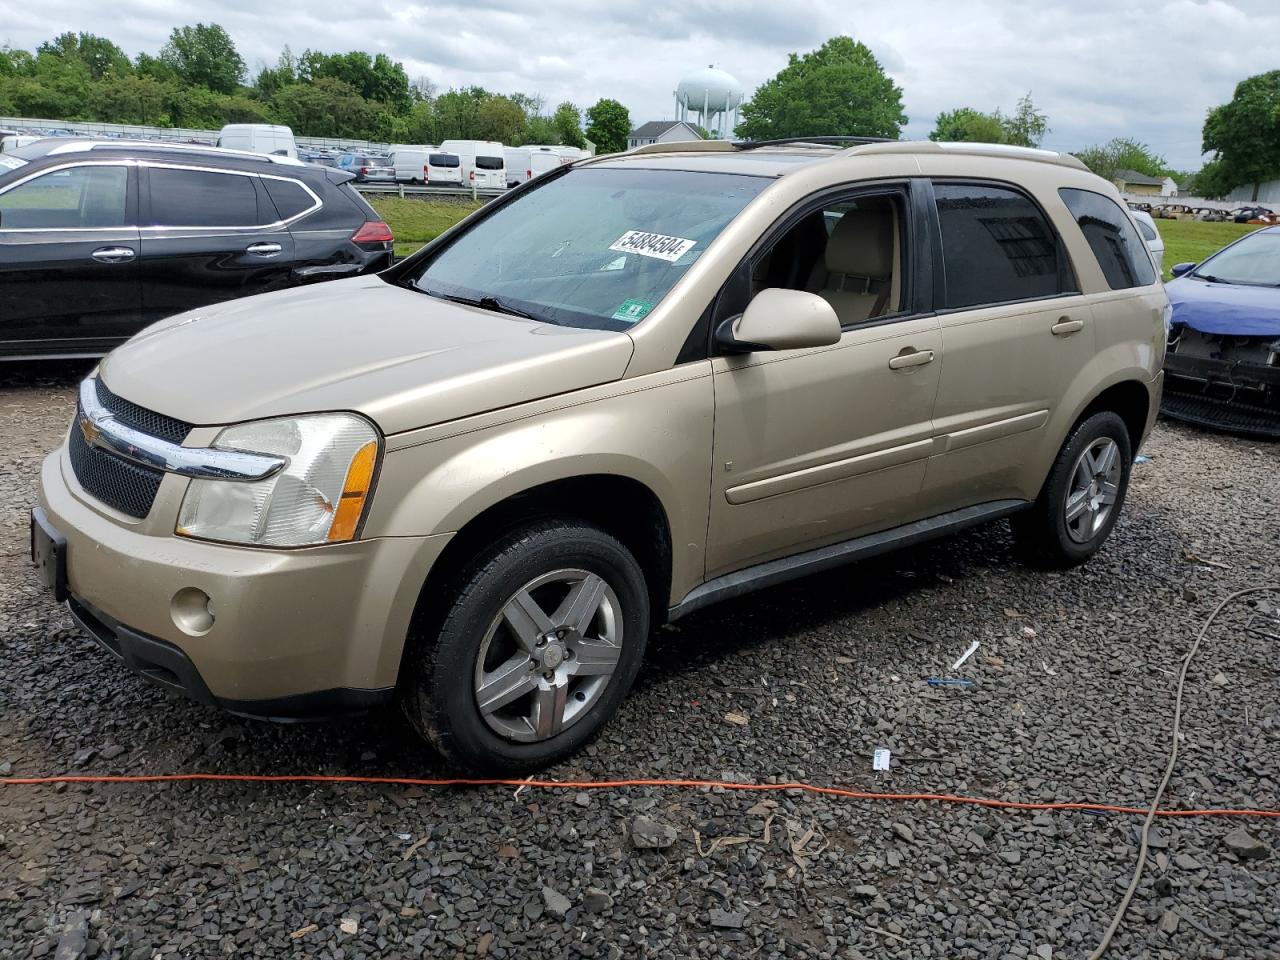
x=1065 y=327
x=114 y=254
x=911 y=358
x=263 y=249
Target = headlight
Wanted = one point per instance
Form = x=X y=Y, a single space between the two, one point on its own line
x=318 y=497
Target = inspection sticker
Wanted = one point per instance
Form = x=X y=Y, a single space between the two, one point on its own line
x=632 y=311
x=653 y=245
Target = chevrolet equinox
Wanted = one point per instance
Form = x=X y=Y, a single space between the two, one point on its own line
x=630 y=388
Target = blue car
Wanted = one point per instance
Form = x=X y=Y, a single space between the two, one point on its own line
x=1222 y=368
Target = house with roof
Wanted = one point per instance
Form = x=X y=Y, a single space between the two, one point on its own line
x=662 y=131
x=1130 y=181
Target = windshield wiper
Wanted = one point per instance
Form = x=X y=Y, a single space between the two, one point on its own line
x=489 y=302
x=1209 y=278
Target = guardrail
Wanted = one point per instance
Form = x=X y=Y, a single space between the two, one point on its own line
x=411 y=190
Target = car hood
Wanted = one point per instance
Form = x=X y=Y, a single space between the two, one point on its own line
x=1225 y=308
x=401 y=358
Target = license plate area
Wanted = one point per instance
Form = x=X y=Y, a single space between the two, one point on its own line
x=49 y=554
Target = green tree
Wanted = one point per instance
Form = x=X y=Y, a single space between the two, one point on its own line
x=502 y=119
x=567 y=121
x=1244 y=135
x=457 y=114
x=327 y=108
x=373 y=77
x=97 y=55
x=838 y=89
x=540 y=130
x=967 y=125
x=134 y=99
x=1027 y=126
x=204 y=55
x=1123 y=153
x=271 y=80
x=608 y=124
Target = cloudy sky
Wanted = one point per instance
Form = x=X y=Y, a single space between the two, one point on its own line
x=1098 y=68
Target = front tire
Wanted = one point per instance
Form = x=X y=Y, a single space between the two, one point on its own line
x=539 y=644
x=1082 y=497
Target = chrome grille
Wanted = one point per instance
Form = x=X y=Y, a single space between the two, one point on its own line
x=140 y=418
x=121 y=485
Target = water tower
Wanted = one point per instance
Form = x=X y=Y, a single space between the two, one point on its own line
x=713 y=96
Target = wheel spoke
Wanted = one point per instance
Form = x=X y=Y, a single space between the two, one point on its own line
x=1109 y=493
x=526 y=619
x=1106 y=459
x=510 y=681
x=548 y=709
x=579 y=608
x=1077 y=504
x=594 y=659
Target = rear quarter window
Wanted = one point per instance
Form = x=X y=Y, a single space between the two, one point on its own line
x=1120 y=252
x=289 y=196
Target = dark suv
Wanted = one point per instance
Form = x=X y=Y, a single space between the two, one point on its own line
x=98 y=239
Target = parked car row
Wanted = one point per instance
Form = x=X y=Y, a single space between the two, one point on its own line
x=99 y=238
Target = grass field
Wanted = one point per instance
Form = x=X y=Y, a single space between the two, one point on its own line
x=414 y=222
x=1193 y=240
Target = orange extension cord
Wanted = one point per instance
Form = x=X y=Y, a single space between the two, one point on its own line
x=614 y=784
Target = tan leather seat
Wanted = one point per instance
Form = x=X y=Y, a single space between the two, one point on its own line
x=859 y=262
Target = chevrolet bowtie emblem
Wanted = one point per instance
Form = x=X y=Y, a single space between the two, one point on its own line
x=89 y=430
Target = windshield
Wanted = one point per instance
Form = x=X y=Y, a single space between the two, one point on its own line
x=1255 y=261
x=593 y=247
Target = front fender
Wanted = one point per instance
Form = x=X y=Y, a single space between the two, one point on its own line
x=654 y=430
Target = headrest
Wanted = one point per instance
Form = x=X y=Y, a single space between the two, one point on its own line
x=861 y=245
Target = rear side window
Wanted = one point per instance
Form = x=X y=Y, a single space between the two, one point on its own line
x=200 y=198
x=997 y=246
x=1119 y=250
x=489 y=163
x=444 y=160
x=289 y=197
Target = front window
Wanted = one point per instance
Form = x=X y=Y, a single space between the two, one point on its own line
x=1253 y=261
x=77 y=198
x=595 y=247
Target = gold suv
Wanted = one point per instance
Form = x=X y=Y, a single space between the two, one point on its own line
x=630 y=388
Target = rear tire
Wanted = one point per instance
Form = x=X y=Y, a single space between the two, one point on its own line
x=1081 y=498
x=539 y=642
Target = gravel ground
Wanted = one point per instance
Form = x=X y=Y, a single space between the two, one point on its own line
x=1072 y=696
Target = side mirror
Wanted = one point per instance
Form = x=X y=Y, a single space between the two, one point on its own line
x=1178 y=269
x=778 y=319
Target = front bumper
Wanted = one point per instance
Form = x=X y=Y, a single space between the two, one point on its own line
x=295 y=633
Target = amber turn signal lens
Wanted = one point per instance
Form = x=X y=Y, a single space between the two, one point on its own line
x=354 y=493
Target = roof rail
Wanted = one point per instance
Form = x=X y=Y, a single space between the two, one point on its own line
x=814 y=141
x=84 y=146
x=970 y=149
x=683 y=146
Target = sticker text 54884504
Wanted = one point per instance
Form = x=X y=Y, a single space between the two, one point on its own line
x=652 y=245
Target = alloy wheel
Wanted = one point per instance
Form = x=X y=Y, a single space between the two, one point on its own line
x=548 y=655
x=1093 y=489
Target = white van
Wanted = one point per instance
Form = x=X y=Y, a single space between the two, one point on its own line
x=444 y=169
x=15 y=140
x=410 y=162
x=525 y=163
x=483 y=162
x=258 y=138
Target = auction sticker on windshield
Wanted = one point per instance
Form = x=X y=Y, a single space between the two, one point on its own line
x=654 y=245
x=632 y=311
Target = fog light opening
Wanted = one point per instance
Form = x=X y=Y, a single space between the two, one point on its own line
x=192 y=611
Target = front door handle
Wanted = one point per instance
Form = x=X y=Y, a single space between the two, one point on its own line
x=263 y=249
x=1065 y=327
x=114 y=254
x=911 y=357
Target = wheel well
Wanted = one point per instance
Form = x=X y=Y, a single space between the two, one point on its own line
x=1128 y=399
x=620 y=506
